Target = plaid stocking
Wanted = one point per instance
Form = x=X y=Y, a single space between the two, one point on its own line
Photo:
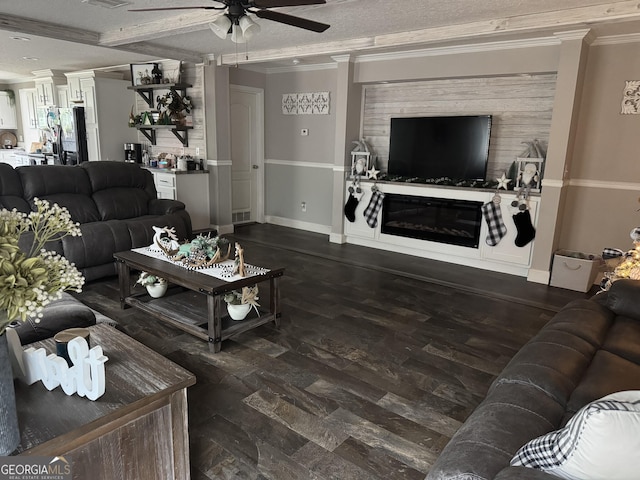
x=371 y=212
x=493 y=216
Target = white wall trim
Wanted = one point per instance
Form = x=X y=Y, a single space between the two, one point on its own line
x=552 y=182
x=340 y=168
x=296 y=163
x=337 y=238
x=289 y=222
x=224 y=229
x=219 y=163
x=302 y=68
x=617 y=39
x=577 y=182
x=539 y=276
x=459 y=49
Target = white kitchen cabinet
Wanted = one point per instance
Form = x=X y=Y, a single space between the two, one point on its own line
x=63 y=96
x=107 y=103
x=6 y=156
x=47 y=82
x=75 y=91
x=8 y=119
x=191 y=188
x=30 y=132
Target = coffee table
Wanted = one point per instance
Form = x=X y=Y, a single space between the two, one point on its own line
x=193 y=303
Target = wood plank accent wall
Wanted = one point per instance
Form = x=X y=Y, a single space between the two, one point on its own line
x=521 y=107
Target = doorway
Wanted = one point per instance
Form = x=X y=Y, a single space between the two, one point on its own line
x=247 y=154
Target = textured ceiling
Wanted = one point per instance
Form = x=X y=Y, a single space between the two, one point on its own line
x=364 y=25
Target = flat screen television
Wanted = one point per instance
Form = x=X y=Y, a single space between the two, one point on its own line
x=435 y=147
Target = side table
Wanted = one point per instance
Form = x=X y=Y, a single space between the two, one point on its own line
x=138 y=429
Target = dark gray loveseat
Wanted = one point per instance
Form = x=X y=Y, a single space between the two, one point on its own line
x=591 y=348
x=115 y=203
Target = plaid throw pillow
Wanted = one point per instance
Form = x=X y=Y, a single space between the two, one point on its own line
x=601 y=441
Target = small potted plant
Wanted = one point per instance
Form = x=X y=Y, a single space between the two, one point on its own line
x=156 y=286
x=239 y=303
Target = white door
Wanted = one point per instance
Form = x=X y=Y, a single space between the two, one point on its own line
x=247 y=154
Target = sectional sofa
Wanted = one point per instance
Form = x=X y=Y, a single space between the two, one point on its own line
x=588 y=350
x=115 y=204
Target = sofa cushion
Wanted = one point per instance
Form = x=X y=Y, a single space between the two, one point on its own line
x=98 y=243
x=11 y=192
x=553 y=363
x=622 y=298
x=141 y=230
x=120 y=190
x=68 y=186
x=508 y=417
x=607 y=373
x=601 y=441
x=66 y=312
x=623 y=339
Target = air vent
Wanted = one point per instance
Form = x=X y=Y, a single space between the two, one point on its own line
x=107 y=3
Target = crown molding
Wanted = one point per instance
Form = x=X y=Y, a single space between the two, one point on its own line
x=617 y=39
x=460 y=49
x=301 y=68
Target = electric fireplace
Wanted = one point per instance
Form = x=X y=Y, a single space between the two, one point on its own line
x=444 y=220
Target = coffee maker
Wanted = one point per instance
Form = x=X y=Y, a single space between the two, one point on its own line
x=133 y=152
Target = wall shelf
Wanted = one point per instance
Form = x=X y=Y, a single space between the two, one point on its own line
x=180 y=131
x=146 y=91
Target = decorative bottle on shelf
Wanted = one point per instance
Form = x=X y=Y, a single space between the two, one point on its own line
x=156 y=73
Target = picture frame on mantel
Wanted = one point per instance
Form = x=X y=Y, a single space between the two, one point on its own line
x=141 y=73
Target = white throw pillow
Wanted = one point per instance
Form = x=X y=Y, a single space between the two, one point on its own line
x=600 y=442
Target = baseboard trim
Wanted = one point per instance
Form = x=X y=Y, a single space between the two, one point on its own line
x=291 y=223
x=337 y=238
x=539 y=276
x=224 y=229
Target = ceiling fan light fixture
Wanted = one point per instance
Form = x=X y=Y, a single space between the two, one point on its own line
x=249 y=27
x=221 y=26
x=236 y=35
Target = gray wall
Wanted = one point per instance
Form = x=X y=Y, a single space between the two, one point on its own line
x=603 y=199
x=292 y=171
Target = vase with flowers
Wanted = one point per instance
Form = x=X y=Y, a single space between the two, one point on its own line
x=156 y=286
x=239 y=303
x=29 y=280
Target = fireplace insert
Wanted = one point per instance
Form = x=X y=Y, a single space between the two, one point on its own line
x=443 y=220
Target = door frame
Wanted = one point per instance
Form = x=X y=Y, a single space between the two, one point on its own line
x=259 y=144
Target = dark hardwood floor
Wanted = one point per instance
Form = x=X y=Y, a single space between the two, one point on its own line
x=379 y=359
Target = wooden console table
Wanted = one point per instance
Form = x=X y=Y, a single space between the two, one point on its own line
x=137 y=430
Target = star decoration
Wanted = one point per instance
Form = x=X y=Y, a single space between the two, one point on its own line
x=503 y=182
x=373 y=173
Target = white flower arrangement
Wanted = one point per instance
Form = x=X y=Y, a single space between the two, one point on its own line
x=31 y=280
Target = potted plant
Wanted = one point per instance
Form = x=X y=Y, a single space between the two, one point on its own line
x=156 y=286
x=239 y=303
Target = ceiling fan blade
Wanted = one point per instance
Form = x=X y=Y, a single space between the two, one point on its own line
x=293 y=21
x=285 y=3
x=173 y=8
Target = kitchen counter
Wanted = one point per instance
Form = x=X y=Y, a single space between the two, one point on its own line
x=174 y=170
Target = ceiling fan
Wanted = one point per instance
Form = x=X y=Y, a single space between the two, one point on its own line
x=237 y=9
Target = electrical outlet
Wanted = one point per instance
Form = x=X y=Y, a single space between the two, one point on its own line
x=303 y=206
x=197 y=150
x=304 y=132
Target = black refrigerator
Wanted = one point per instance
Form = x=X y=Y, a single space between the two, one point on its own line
x=72 y=136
